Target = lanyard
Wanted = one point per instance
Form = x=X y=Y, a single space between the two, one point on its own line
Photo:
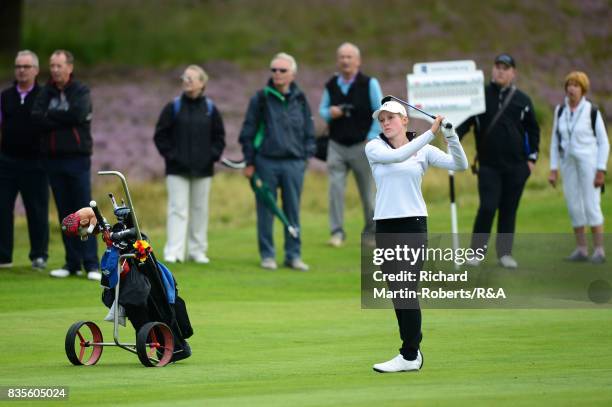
x=570 y=128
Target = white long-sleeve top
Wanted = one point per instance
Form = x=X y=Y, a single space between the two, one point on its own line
x=398 y=173
x=581 y=143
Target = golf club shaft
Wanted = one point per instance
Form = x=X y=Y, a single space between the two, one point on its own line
x=446 y=125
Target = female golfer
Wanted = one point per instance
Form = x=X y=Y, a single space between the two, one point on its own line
x=398 y=161
x=579 y=147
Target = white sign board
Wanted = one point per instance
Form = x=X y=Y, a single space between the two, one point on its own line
x=453 y=89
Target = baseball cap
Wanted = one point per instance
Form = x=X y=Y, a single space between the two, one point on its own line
x=505 y=59
x=392 y=107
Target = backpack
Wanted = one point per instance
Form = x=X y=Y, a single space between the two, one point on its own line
x=176 y=106
x=560 y=109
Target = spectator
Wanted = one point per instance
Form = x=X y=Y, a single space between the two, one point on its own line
x=507 y=139
x=277 y=138
x=349 y=99
x=20 y=166
x=63 y=110
x=580 y=148
x=191 y=137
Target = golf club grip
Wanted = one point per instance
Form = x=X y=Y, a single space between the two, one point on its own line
x=96 y=211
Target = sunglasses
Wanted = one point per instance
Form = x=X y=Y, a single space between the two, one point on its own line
x=187 y=79
x=24 y=66
x=281 y=70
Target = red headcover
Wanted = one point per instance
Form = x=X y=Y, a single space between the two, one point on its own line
x=70 y=225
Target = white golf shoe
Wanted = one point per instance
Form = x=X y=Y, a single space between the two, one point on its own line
x=399 y=364
x=508 y=262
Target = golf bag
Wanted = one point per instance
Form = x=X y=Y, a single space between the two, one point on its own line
x=147 y=291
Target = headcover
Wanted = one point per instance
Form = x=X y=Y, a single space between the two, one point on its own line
x=71 y=224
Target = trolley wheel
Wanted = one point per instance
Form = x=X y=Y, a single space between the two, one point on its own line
x=79 y=340
x=155 y=344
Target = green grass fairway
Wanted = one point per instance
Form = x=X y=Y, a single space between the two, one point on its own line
x=301 y=339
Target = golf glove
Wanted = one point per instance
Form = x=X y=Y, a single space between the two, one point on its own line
x=448 y=133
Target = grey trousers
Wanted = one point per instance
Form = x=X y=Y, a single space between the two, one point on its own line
x=340 y=160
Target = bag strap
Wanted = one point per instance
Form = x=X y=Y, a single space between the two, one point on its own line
x=593 y=117
x=493 y=122
x=501 y=110
x=176 y=106
x=560 y=109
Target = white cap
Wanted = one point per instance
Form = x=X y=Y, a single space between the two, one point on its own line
x=392 y=107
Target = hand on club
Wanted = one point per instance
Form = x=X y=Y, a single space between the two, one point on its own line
x=435 y=126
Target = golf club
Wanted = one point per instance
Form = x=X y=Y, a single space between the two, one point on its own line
x=391 y=97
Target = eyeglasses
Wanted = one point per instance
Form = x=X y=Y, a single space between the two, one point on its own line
x=281 y=70
x=24 y=66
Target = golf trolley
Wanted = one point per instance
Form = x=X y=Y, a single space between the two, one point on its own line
x=134 y=284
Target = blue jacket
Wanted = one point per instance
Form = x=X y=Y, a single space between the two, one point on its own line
x=284 y=124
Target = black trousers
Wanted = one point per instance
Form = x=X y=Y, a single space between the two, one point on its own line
x=27 y=178
x=408 y=314
x=70 y=181
x=500 y=191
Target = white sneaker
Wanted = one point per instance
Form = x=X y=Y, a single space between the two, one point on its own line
x=59 y=273
x=94 y=275
x=399 y=364
x=269 y=263
x=473 y=262
x=169 y=259
x=508 y=262
x=6 y=265
x=336 y=240
x=297 y=264
x=200 y=259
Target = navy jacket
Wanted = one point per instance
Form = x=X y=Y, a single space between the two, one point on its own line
x=64 y=118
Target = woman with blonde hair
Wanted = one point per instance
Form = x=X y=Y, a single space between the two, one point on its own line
x=191 y=137
x=398 y=161
x=579 y=149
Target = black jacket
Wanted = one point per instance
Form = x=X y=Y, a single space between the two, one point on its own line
x=64 y=118
x=353 y=128
x=20 y=137
x=288 y=126
x=192 y=139
x=514 y=138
